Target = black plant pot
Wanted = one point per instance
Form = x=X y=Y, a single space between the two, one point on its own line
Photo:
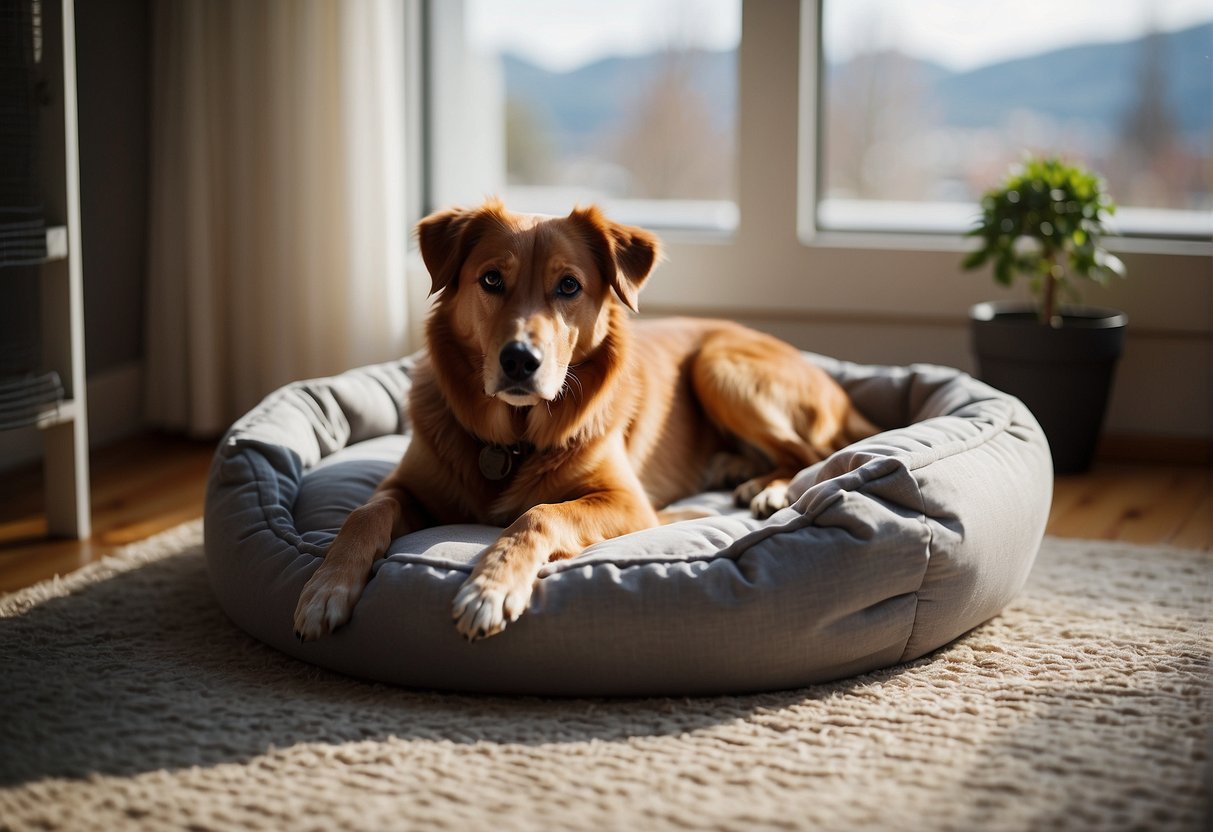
x=1064 y=374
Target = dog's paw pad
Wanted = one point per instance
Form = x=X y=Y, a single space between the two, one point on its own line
x=770 y=500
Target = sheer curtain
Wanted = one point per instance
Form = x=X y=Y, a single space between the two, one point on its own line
x=277 y=209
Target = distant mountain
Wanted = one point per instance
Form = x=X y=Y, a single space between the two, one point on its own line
x=594 y=97
x=1096 y=83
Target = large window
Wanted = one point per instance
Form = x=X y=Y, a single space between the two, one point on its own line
x=924 y=105
x=631 y=104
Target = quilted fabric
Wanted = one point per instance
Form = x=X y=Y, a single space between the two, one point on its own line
x=894 y=547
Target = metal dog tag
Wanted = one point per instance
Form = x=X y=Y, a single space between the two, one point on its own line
x=495 y=462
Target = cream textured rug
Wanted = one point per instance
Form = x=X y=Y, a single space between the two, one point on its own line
x=127 y=700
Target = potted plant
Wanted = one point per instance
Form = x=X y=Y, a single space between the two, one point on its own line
x=1045 y=222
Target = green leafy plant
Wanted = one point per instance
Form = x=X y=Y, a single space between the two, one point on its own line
x=1046 y=221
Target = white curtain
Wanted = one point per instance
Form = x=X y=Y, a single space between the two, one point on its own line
x=277 y=220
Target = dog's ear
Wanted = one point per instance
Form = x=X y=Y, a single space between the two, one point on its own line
x=626 y=254
x=447 y=237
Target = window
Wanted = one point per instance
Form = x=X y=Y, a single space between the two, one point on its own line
x=925 y=105
x=630 y=104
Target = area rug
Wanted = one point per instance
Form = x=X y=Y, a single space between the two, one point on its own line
x=127 y=700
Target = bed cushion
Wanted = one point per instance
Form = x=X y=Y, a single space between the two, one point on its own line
x=894 y=547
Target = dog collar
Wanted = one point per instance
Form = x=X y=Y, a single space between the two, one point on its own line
x=496 y=461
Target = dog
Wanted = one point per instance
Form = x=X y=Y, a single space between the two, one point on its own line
x=541 y=406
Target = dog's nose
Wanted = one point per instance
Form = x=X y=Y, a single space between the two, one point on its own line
x=520 y=360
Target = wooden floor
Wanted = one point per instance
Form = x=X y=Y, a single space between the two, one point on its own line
x=139 y=487
x=149 y=484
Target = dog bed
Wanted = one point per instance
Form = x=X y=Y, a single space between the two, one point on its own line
x=894 y=547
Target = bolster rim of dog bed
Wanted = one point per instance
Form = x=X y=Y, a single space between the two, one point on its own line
x=894 y=547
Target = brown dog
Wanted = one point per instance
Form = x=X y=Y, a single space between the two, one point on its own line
x=543 y=408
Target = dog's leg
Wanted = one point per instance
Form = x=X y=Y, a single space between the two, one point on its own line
x=727 y=469
x=503 y=579
x=760 y=422
x=765 y=394
x=329 y=596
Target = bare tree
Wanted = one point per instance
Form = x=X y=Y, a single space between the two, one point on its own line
x=876 y=106
x=529 y=149
x=1151 y=166
x=671 y=145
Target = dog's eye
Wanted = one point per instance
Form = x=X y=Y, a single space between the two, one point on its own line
x=568 y=287
x=491 y=281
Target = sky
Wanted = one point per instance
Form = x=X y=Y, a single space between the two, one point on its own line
x=564 y=34
x=963 y=34
x=960 y=34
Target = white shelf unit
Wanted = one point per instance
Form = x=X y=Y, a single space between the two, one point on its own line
x=65 y=437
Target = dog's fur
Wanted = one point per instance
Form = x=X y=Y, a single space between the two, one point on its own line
x=532 y=352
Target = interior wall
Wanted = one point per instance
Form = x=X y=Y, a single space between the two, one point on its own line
x=112 y=54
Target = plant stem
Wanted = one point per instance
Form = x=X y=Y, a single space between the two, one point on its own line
x=1049 y=307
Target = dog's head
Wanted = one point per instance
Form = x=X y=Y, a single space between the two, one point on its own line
x=532 y=295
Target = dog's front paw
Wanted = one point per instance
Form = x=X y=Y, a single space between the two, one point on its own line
x=326 y=602
x=484 y=605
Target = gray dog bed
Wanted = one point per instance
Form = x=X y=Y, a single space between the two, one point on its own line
x=894 y=547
